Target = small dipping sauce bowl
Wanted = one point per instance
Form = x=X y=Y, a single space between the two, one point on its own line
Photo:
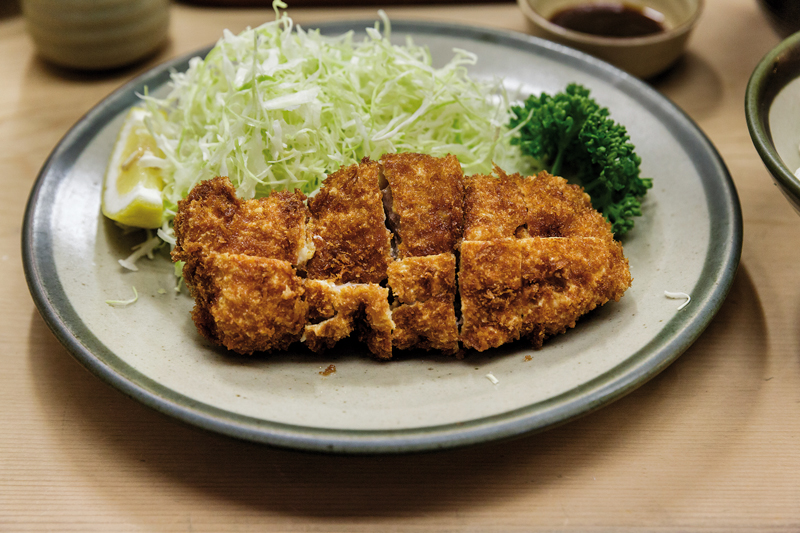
x=96 y=34
x=643 y=56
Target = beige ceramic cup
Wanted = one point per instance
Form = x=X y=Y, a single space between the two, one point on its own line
x=96 y=34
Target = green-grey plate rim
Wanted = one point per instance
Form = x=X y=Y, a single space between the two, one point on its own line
x=776 y=69
x=721 y=264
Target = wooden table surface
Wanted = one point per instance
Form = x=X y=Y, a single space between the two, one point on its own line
x=712 y=443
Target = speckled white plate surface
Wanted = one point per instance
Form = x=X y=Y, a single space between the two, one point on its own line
x=689 y=240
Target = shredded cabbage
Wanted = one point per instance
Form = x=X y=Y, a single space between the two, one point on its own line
x=125 y=303
x=279 y=107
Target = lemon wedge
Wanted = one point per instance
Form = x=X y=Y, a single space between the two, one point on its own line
x=134 y=178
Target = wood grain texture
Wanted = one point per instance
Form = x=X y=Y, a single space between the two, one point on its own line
x=711 y=444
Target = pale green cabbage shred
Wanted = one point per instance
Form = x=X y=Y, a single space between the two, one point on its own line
x=279 y=107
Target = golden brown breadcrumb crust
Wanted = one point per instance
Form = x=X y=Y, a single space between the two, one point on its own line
x=248 y=304
x=427 y=197
x=489 y=281
x=533 y=280
x=565 y=278
x=239 y=265
x=424 y=289
x=494 y=207
x=560 y=209
x=535 y=287
x=213 y=218
x=532 y=256
x=348 y=227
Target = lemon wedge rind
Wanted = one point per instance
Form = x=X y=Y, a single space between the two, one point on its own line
x=133 y=182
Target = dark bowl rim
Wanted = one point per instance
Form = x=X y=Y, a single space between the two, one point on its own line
x=758 y=99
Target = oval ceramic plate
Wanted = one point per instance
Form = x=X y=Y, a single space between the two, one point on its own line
x=689 y=240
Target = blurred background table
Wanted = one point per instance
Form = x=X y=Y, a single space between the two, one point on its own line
x=713 y=443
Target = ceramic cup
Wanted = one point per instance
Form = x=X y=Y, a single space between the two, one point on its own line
x=96 y=34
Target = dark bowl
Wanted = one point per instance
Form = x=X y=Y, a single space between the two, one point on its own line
x=772 y=108
x=784 y=15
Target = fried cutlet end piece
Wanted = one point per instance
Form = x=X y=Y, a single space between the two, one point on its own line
x=336 y=311
x=426 y=196
x=565 y=278
x=560 y=209
x=535 y=287
x=494 y=207
x=247 y=304
x=203 y=220
x=423 y=311
x=213 y=219
x=563 y=263
x=347 y=227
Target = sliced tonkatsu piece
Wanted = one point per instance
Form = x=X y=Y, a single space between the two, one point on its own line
x=489 y=282
x=213 y=219
x=424 y=199
x=352 y=253
x=240 y=258
x=559 y=209
x=247 y=304
x=565 y=278
x=494 y=207
x=348 y=228
x=336 y=311
x=489 y=275
x=424 y=290
x=425 y=203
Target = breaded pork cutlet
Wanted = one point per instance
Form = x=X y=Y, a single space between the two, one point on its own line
x=424 y=290
x=213 y=219
x=240 y=258
x=424 y=198
x=535 y=287
x=537 y=279
x=494 y=207
x=532 y=256
x=565 y=278
x=489 y=282
x=559 y=209
x=336 y=311
x=348 y=227
x=246 y=303
x=352 y=254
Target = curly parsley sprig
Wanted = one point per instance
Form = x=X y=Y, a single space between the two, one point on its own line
x=570 y=134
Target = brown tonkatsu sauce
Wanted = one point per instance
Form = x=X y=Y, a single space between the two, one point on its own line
x=608 y=20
